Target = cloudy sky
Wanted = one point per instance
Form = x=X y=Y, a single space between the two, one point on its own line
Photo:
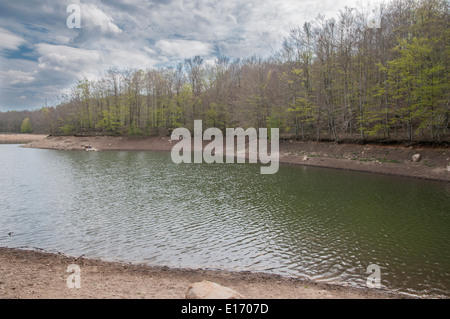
x=41 y=57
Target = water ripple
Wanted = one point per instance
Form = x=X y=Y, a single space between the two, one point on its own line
x=303 y=222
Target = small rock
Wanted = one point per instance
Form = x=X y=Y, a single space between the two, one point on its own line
x=416 y=157
x=211 y=290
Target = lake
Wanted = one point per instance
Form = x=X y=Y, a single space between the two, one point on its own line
x=323 y=224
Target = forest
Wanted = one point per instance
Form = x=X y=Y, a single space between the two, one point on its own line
x=343 y=78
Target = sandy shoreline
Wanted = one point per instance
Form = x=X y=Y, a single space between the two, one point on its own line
x=373 y=158
x=20 y=138
x=30 y=274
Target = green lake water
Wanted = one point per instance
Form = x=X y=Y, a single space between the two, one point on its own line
x=322 y=224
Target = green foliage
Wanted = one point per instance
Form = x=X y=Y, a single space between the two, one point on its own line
x=67 y=129
x=108 y=123
x=26 y=126
x=134 y=130
x=416 y=82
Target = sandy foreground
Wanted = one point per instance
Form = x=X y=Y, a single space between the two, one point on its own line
x=34 y=274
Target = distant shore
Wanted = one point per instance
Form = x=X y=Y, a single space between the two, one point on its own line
x=20 y=138
x=34 y=274
x=373 y=158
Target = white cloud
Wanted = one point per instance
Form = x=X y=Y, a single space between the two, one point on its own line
x=69 y=61
x=126 y=58
x=9 y=40
x=91 y=15
x=61 y=39
x=13 y=77
x=177 y=48
x=65 y=58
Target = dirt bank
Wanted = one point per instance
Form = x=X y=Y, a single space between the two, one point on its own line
x=41 y=275
x=374 y=158
x=20 y=138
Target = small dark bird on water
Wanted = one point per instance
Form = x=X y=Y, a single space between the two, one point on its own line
x=10 y=233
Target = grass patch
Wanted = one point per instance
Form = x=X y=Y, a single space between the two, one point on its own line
x=428 y=164
x=385 y=160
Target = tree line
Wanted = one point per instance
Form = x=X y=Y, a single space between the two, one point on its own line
x=339 y=78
